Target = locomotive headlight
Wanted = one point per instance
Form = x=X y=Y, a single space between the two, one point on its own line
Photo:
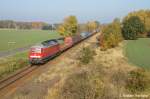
x=35 y=56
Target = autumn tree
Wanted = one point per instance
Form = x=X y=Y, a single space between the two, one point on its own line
x=132 y=27
x=111 y=35
x=92 y=25
x=69 y=26
x=61 y=30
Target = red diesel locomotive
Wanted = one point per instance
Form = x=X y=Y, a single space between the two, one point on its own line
x=40 y=53
x=44 y=51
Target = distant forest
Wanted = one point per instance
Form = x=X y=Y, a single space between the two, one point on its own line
x=10 y=24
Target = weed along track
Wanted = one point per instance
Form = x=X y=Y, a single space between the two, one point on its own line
x=20 y=74
x=10 y=84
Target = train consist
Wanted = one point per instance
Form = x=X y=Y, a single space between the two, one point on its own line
x=46 y=50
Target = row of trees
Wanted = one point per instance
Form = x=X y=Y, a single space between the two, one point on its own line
x=131 y=27
x=25 y=25
x=70 y=26
x=134 y=25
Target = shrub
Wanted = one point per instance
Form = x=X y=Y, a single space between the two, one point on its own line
x=76 y=87
x=118 y=78
x=132 y=28
x=137 y=81
x=82 y=85
x=87 y=54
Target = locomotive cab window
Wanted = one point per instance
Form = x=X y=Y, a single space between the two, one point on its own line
x=52 y=43
x=49 y=43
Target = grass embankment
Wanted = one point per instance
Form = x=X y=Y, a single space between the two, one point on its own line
x=10 y=64
x=108 y=76
x=12 y=39
x=138 y=52
x=100 y=75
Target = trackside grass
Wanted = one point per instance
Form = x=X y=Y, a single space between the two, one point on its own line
x=138 y=52
x=12 y=39
x=10 y=64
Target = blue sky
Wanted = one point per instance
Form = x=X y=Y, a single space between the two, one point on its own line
x=52 y=11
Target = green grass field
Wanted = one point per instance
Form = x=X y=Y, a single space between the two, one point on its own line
x=12 y=39
x=138 y=52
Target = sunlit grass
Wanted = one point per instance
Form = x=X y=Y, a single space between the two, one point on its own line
x=12 y=39
x=138 y=52
x=10 y=64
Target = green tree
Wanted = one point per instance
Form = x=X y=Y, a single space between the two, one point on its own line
x=144 y=16
x=132 y=27
x=69 y=26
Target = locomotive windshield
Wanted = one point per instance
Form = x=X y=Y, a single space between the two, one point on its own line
x=36 y=50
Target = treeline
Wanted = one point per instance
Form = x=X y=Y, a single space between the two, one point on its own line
x=69 y=26
x=10 y=24
x=133 y=26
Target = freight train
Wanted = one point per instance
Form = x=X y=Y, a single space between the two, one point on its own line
x=46 y=50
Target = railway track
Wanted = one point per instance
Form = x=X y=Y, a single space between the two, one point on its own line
x=7 y=83
x=18 y=75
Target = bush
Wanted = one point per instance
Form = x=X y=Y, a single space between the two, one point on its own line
x=82 y=85
x=76 y=87
x=87 y=54
x=137 y=81
x=132 y=28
